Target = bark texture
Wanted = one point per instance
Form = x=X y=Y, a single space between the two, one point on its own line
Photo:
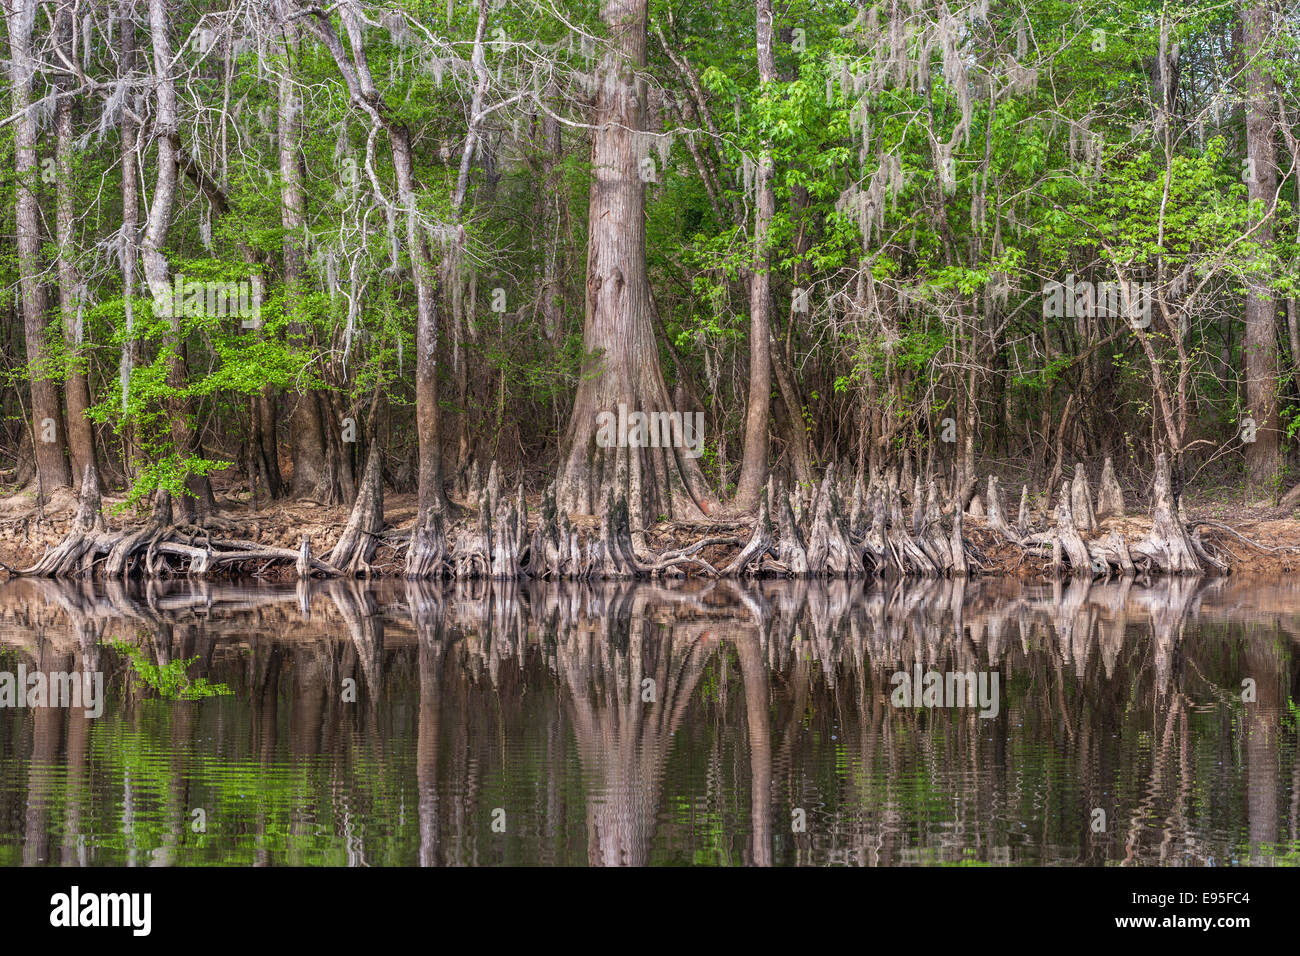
x=618 y=334
x=1263 y=458
x=47 y=419
x=753 y=468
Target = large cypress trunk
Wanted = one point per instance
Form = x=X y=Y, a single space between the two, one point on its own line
x=618 y=333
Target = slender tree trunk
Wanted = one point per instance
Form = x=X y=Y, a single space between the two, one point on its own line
x=552 y=289
x=796 y=433
x=310 y=475
x=1263 y=458
x=448 y=268
x=1293 y=334
x=128 y=251
x=156 y=269
x=46 y=426
x=753 y=468
x=431 y=495
x=618 y=332
x=76 y=386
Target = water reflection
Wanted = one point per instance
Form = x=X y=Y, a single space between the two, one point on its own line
x=617 y=724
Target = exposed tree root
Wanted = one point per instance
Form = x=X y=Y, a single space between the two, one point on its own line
x=356 y=546
x=1085 y=519
x=158 y=549
x=75 y=552
x=1168 y=545
x=995 y=517
x=1169 y=548
x=1220 y=526
x=868 y=535
x=1067 y=532
x=1024 y=524
x=829 y=548
x=774 y=547
x=1110 y=497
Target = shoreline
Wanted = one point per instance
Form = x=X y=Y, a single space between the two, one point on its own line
x=26 y=536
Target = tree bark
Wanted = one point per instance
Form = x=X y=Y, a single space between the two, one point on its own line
x=47 y=428
x=618 y=333
x=552 y=286
x=310 y=475
x=1110 y=497
x=199 y=500
x=796 y=433
x=1263 y=458
x=753 y=468
x=128 y=252
x=76 y=385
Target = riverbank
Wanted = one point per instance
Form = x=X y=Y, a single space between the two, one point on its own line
x=1247 y=537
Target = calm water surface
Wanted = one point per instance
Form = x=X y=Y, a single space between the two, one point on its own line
x=654 y=724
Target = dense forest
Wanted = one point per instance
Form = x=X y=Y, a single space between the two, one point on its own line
x=646 y=259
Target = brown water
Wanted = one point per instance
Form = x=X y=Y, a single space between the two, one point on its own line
x=654 y=724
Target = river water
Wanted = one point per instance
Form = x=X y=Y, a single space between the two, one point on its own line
x=732 y=723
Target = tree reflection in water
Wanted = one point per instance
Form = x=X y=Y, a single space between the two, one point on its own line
x=629 y=724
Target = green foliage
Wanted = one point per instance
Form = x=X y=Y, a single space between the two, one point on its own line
x=927 y=184
x=170 y=681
